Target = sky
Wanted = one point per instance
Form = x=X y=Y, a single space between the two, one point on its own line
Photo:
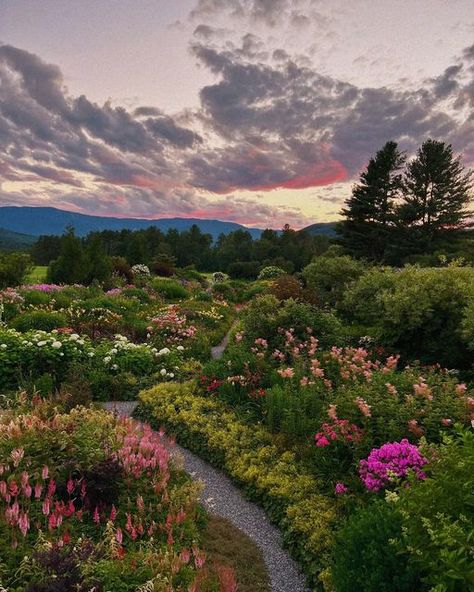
x=262 y=112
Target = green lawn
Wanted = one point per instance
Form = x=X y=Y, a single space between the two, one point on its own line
x=37 y=275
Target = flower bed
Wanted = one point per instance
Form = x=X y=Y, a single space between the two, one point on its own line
x=88 y=501
x=248 y=454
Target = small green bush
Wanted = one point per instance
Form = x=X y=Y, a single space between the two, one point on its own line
x=330 y=277
x=437 y=517
x=365 y=557
x=169 y=289
x=41 y=320
x=271 y=272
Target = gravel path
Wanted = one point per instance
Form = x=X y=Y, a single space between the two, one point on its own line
x=223 y=498
x=218 y=350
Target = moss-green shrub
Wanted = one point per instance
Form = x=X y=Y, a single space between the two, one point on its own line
x=417 y=311
x=41 y=320
x=169 y=289
x=365 y=555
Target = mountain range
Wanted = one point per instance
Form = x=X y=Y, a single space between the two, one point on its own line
x=36 y=221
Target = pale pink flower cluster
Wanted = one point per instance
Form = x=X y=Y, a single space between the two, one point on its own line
x=363 y=406
x=421 y=389
x=172 y=325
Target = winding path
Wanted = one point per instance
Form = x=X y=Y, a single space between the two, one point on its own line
x=222 y=498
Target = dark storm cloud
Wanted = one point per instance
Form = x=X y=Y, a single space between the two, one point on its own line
x=37 y=114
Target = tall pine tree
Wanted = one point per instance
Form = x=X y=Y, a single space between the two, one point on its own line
x=437 y=192
x=369 y=212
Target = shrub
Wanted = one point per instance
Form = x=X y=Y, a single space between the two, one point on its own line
x=437 y=516
x=271 y=272
x=122 y=269
x=286 y=287
x=40 y=320
x=418 y=311
x=266 y=316
x=14 y=267
x=162 y=268
x=140 y=270
x=331 y=276
x=29 y=355
x=218 y=277
x=390 y=463
x=169 y=289
x=468 y=325
x=365 y=557
x=244 y=270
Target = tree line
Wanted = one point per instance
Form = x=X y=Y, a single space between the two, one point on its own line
x=74 y=259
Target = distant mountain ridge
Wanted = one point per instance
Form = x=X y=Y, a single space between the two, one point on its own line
x=45 y=220
x=326 y=228
x=36 y=221
x=15 y=241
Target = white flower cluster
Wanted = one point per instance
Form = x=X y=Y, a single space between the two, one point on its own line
x=140 y=269
x=44 y=340
x=122 y=344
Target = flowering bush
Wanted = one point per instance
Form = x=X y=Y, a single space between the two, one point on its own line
x=111 y=510
x=33 y=354
x=140 y=270
x=270 y=273
x=390 y=463
x=171 y=326
x=121 y=355
x=218 y=277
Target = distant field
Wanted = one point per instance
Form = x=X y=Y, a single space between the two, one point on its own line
x=37 y=275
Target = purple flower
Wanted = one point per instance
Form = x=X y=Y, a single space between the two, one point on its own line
x=340 y=489
x=391 y=461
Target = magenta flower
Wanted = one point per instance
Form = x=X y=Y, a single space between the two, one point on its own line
x=392 y=461
x=340 y=489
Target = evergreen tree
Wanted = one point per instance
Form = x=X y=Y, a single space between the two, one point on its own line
x=71 y=265
x=369 y=213
x=437 y=191
x=99 y=265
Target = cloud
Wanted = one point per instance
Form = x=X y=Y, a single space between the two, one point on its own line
x=288 y=126
x=267 y=122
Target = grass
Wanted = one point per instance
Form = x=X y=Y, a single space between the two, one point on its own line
x=227 y=545
x=37 y=275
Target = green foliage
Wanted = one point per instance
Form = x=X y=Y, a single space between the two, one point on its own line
x=169 y=289
x=330 y=277
x=417 y=311
x=243 y=270
x=468 y=325
x=270 y=273
x=247 y=453
x=71 y=265
x=14 y=267
x=265 y=315
x=438 y=528
x=40 y=320
x=365 y=557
